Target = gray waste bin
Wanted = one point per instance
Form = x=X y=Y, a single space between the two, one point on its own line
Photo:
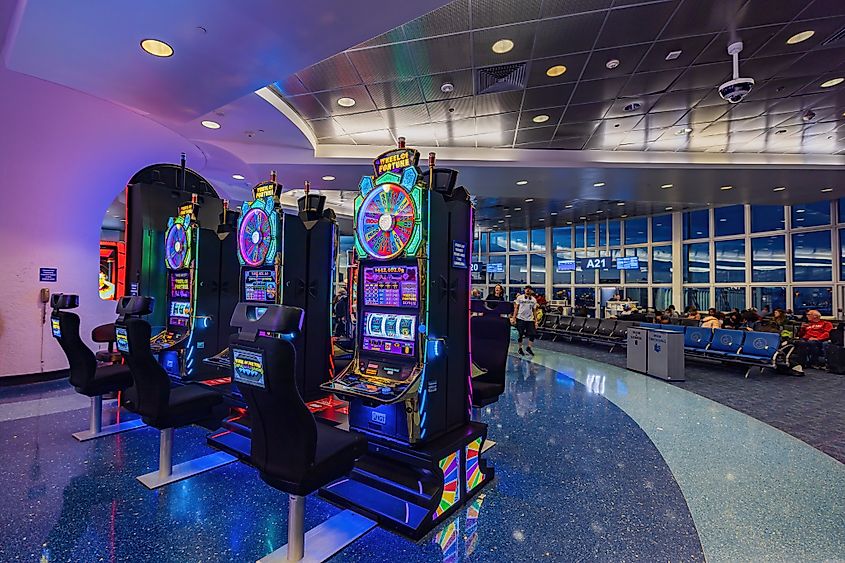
x=637 y=349
x=666 y=355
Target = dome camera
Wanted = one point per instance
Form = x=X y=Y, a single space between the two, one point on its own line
x=735 y=90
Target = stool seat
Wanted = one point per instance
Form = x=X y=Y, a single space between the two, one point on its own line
x=485 y=393
x=107 y=379
x=186 y=405
x=108 y=356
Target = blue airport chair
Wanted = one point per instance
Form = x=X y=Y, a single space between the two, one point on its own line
x=759 y=349
x=696 y=338
x=726 y=342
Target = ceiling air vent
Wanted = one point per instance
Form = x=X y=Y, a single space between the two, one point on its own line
x=501 y=78
x=837 y=37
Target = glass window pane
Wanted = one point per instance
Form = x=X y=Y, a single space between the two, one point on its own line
x=811 y=214
x=841 y=206
x=730 y=261
x=640 y=275
x=498 y=241
x=580 y=231
x=729 y=220
x=497 y=262
x=638 y=294
x=519 y=241
x=476 y=247
x=559 y=278
x=767 y=218
x=518 y=270
x=636 y=230
x=614 y=234
x=585 y=276
x=771 y=297
x=585 y=297
x=728 y=298
x=841 y=254
x=538 y=240
x=698 y=297
x=811 y=256
x=768 y=259
x=484 y=237
x=591 y=235
x=612 y=274
x=662 y=298
x=562 y=238
x=661 y=263
x=806 y=298
x=602 y=240
x=538 y=270
x=661 y=228
x=697 y=262
x=561 y=293
x=513 y=291
x=696 y=224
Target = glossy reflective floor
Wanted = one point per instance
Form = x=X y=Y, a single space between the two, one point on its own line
x=580 y=476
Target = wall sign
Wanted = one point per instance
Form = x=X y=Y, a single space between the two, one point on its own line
x=48 y=274
x=459 y=255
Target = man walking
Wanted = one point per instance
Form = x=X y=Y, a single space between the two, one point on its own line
x=525 y=318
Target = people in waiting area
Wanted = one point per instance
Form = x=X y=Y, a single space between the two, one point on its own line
x=498 y=293
x=661 y=318
x=692 y=313
x=476 y=294
x=772 y=323
x=712 y=319
x=671 y=312
x=524 y=317
x=813 y=336
x=765 y=311
x=734 y=320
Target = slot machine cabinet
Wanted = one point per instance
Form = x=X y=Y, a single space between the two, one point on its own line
x=408 y=383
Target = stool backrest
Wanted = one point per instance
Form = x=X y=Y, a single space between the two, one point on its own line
x=152 y=384
x=65 y=328
x=490 y=340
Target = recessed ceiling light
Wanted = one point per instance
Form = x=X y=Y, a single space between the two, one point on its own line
x=612 y=63
x=778 y=189
x=726 y=188
x=665 y=186
x=507 y=216
x=501 y=220
x=556 y=70
x=799 y=37
x=502 y=46
x=600 y=211
x=569 y=222
x=567 y=207
x=541 y=219
x=328 y=178
x=522 y=182
x=800 y=210
x=826 y=190
x=210 y=124
x=621 y=203
x=529 y=200
x=598 y=184
x=633 y=106
x=346 y=102
x=553 y=213
x=582 y=217
x=237 y=177
x=517 y=209
x=540 y=118
x=669 y=208
x=156 y=48
x=684 y=131
x=832 y=82
x=624 y=215
x=673 y=55
x=723 y=220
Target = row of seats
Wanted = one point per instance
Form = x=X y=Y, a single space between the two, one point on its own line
x=604 y=331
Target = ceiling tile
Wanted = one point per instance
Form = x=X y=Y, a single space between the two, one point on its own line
x=660 y=119
x=332 y=73
x=450 y=130
x=451 y=18
x=574 y=63
x=381 y=137
x=395 y=35
x=585 y=112
x=695 y=17
x=704 y=76
x=457 y=108
x=417 y=135
x=291 y=86
x=597 y=90
x=339 y=140
x=461 y=80
x=395 y=93
x=503 y=102
x=380 y=64
x=498 y=122
x=690 y=48
x=534 y=135
x=554 y=8
x=357 y=93
x=635 y=24
x=441 y=54
x=764 y=12
x=629 y=57
x=572 y=143
x=405 y=115
x=495 y=139
x=307 y=106
x=361 y=122
x=582 y=129
x=547 y=96
x=490 y=13
x=752 y=40
x=823 y=29
x=324 y=128
x=571 y=34
x=522 y=35
x=649 y=82
x=822 y=9
x=677 y=100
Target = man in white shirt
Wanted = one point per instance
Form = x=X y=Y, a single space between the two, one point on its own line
x=524 y=316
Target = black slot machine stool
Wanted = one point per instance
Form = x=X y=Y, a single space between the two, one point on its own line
x=292 y=452
x=85 y=376
x=160 y=406
x=490 y=336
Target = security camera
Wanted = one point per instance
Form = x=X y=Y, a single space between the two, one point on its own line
x=735 y=90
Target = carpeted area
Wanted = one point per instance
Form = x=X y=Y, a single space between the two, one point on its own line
x=811 y=408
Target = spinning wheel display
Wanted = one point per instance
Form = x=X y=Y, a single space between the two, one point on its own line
x=177 y=244
x=386 y=221
x=255 y=237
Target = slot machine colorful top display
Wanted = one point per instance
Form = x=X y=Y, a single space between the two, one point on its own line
x=179 y=256
x=259 y=244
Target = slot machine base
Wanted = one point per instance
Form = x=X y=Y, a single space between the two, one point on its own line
x=412 y=490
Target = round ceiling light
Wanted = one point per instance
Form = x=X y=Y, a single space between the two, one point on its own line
x=328 y=178
x=238 y=177
x=522 y=182
x=208 y=124
x=832 y=82
x=540 y=118
x=567 y=207
x=157 y=48
x=799 y=37
x=502 y=46
x=346 y=102
x=612 y=63
x=556 y=70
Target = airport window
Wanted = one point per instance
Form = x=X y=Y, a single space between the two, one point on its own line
x=661 y=298
x=484 y=237
x=767 y=218
x=559 y=278
x=476 y=246
x=640 y=275
x=729 y=220
x=811 y=256
x=585 y=297
x=562 y=238
x=560 y=293
x=696 y=224
x=496 y=263
x=498 y=241
x=538 y=240
x=806 y=298
x=638 y=294
x=580 y=232
x=614 y=233
x=519 y=241
x=811 y=214
x=768 y=259
x=697 y=297
x=661 y=264
x=730 y=261
x=728 y=298
x=591 y=235
x=771 y=297
x=840 y=206
x=636 y=231
x=585 y=276
x=538 y=270
x=661 y=228
x=518 y=269
x=697 y=262
x=610 y=275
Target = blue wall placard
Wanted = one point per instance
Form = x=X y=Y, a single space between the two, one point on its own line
x=48 y=274
x=459 y=255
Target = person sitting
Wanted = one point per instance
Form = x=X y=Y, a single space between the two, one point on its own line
x=750 y=316
x=734 y=320
x=498 y=293
x=693 y=314
x=712 y=320
x=765 y=312
x=476 y=293
x=671 y=312
x=661 y=318
x=813 y=335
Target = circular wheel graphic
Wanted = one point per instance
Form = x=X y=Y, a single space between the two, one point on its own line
x=386 y=221
x=176 y=246
x=254 y=237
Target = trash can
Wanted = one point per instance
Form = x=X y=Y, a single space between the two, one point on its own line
x=637 y=349
x=665 y=355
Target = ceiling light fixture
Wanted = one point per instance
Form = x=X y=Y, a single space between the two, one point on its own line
x=582 y=217
x=778 y=189
x=540 y=118
x=447 y=87
x=669 y=208
x=556 y=70
x=529 y=199
x=799 y=37
x=684 y=131
x=521 y=182
x=612 y=63
x=598 y=184
x=507 y=216
x=621 y=203
x=832 y=82
x=826 y=190
x=208 y=124
x=569 y=222
x=633 y=106
x=673 y=55
x=726 y=188
x=553 y=213
x=624 y=215
x=517 y=209
x=157 y=48
x=567 y=207
x=238 y=177
x=328 y=178
x=665 y=186
x=346 y=102
x=541 y=219
x=502 y=46
x=600 y=211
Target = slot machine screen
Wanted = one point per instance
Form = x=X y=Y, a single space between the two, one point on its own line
x=180 y=312
x=389 y=333
x=391 y=286
x=121 y=339
x=56 y=327
x=180 y=285
x=248 y=366
x=260 y=286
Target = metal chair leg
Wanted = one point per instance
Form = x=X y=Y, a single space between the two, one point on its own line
x=168 y=473
x=296 y=528
x=95 y=423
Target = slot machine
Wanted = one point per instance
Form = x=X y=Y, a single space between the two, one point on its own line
x=408 y=383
